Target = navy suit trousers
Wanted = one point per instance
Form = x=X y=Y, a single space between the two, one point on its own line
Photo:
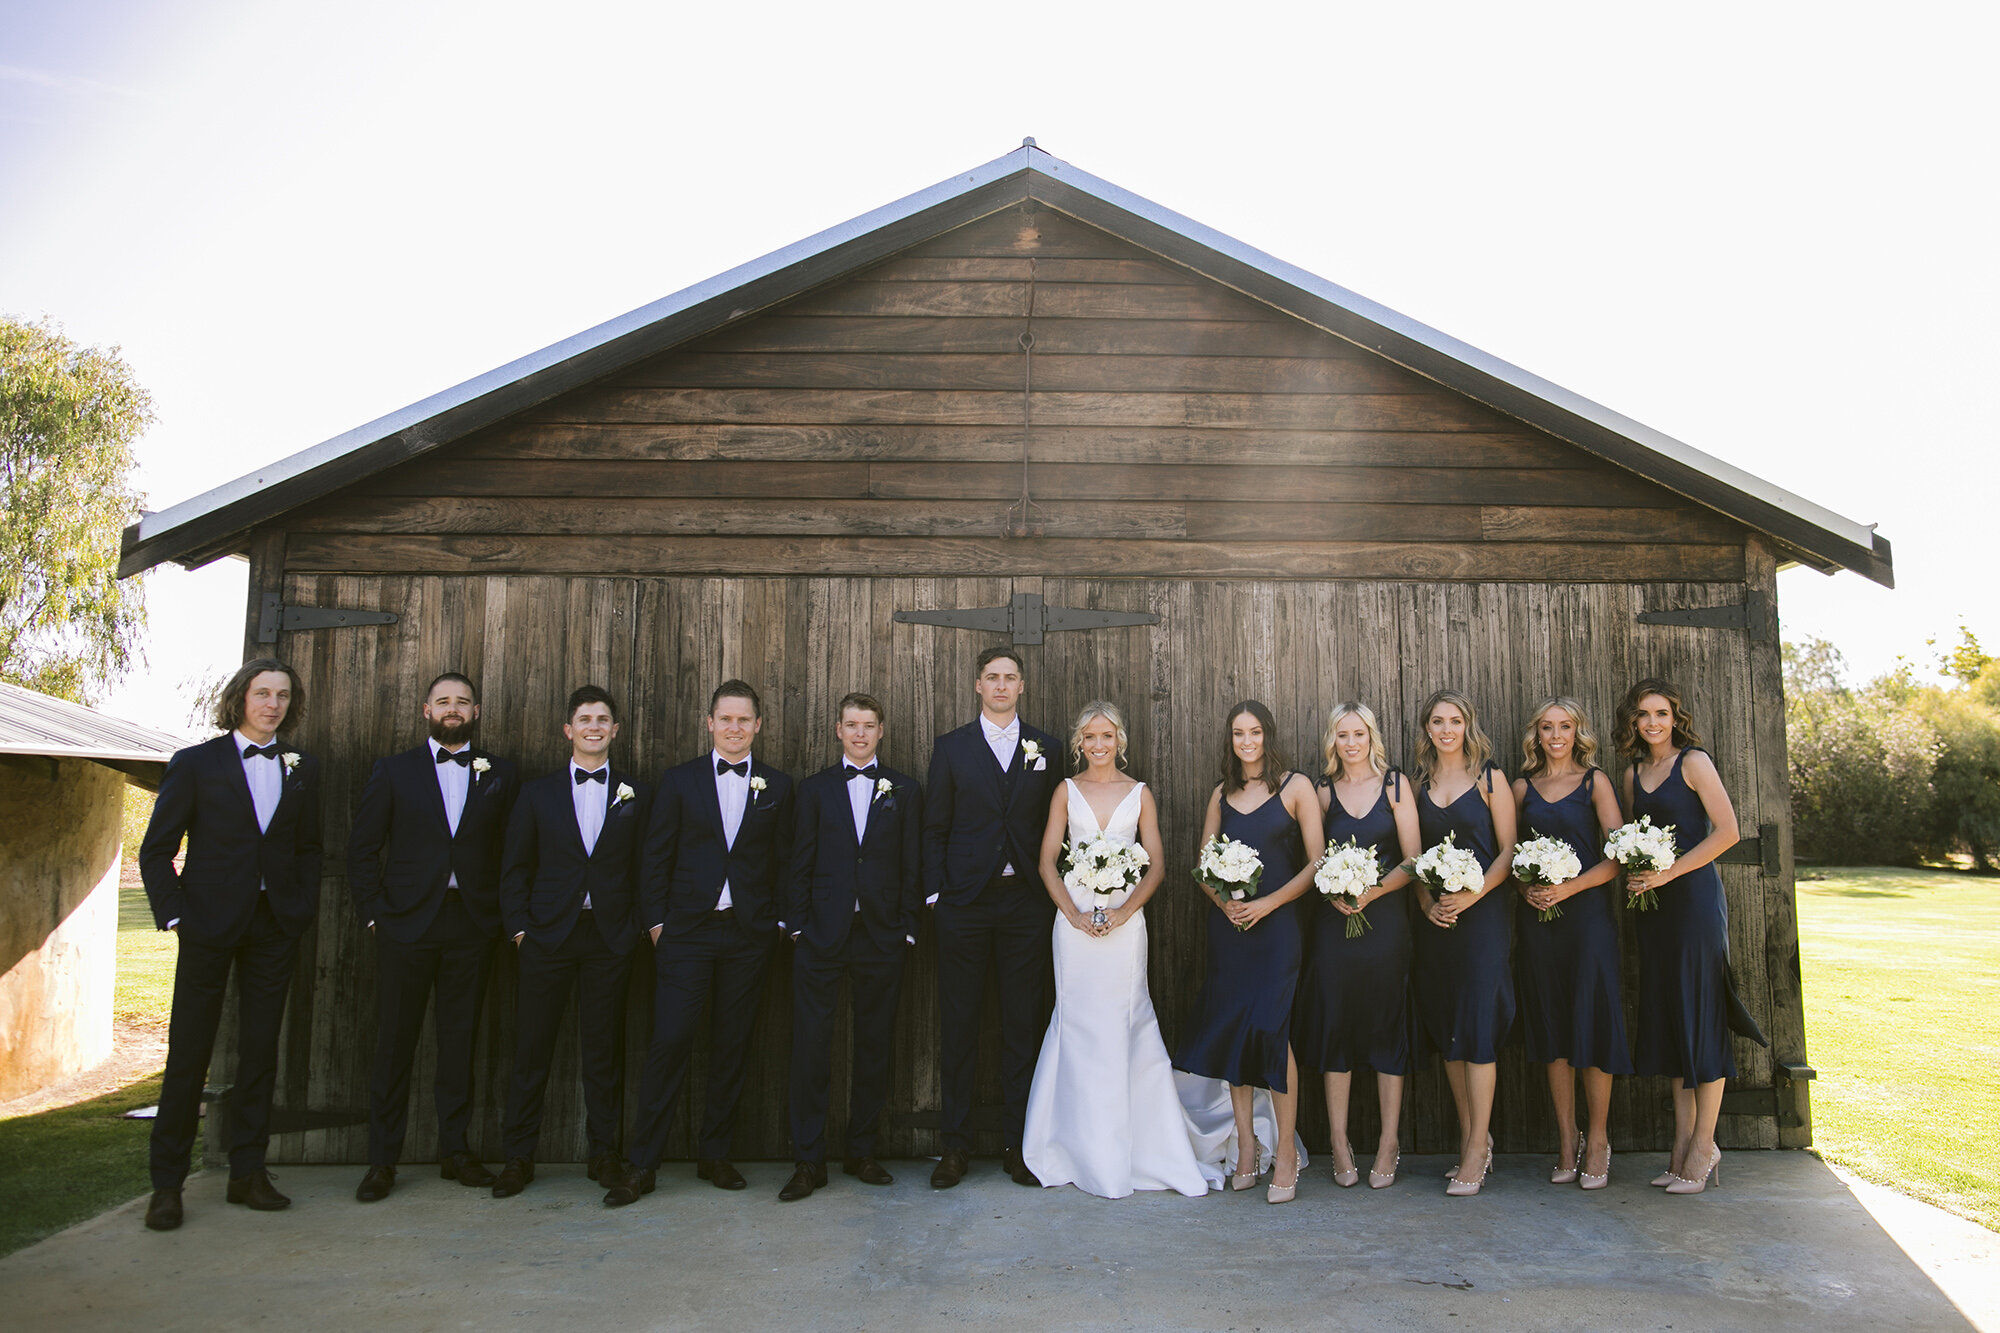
x=451 y=961
x=1006 y=927
x=584 y=964
x=715 y=960
x=263 y=960
x=874 y=984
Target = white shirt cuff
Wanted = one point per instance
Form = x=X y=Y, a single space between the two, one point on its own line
x=931 y=901
x=175 y=922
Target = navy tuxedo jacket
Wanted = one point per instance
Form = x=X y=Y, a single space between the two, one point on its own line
x=687 y=860
x=402 y=814
x=973 y=827
x=205 y=796
x=832 y=873
x=545 y=872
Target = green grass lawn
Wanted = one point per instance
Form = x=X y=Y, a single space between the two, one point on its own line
x=64 y=1166
x=145 y=988
x=1902 y=995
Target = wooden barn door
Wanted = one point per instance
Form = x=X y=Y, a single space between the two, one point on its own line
x=661 y=644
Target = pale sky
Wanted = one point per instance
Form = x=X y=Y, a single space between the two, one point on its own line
x=1763 y=229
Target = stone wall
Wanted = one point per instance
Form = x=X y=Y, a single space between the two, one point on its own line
x=59 y=854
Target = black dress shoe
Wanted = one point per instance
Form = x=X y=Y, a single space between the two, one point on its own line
x=163 y=1213
x=626 y=1184
x=514 y=1177
x=376 y=1184
x=1013 y=1164
x=598 y=1161
x=256 y=1192
x=950 y=1169
x=809 y=1176
x=721 y=1174
x=466 y=1170
x=867 y=1170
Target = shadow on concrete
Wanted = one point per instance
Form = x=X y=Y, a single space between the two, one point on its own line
x=1783 y=1245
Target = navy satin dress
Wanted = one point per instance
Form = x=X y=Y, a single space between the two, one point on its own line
x=1354 y=994
x=1683 y=950
x=1572 y=1007
x=1464 y=978
x=1241 y=1024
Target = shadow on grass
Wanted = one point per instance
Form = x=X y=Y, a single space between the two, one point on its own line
x=1822 y=891
x=64 y=1166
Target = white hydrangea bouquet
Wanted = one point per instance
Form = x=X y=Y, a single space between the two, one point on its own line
x=1229 y=869
x=1105 y=866
x=1450 y=868
x=1546 y=862
x=1348 y=871
x=1641 y=845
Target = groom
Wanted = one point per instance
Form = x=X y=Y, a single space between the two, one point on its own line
x=988 y=798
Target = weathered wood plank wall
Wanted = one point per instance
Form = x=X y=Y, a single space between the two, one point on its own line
x=659 y=644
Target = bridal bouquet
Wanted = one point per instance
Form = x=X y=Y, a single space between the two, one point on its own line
x=1642 y=846
x=1546 y=861
x=1348 y=871
x=1102 y=864
x=1229 y=869
x=1450 y=868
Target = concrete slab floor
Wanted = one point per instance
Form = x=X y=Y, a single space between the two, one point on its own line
x=1783 y=1244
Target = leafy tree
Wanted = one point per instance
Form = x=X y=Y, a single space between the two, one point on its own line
x=68 y=419
x=1965 y=662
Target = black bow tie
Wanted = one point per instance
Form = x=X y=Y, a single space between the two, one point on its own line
x=741 y=768
x=260 y=751
x=602 y=775
x=463 y=758
x=868 y=772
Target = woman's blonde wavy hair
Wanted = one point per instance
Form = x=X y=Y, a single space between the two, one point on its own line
x=1378 y=754
x=1583 y=749
x=1107 y=710
x=1477 y=748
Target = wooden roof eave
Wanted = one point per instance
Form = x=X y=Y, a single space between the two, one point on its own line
x=219 y=522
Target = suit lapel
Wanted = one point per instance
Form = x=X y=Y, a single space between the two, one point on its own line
x=232 y=759
x=860 y=839
x=568 y=819
x=709 y=801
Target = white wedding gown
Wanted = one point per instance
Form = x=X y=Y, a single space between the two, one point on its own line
x=1104 y=1114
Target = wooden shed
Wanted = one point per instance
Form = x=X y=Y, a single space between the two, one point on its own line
x=1003 y=408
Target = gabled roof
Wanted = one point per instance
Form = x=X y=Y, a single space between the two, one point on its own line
x=218 y=522
x=36 y=724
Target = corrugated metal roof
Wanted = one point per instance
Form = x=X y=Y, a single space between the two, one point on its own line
x=38 y=724
x=218 y=522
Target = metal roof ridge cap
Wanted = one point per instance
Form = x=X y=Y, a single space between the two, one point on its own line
x=152 y=525
x=1847 y=529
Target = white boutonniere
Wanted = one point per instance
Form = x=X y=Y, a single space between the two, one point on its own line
x=480 y=767
x=290 y=759
x=883 y=787
x=1032 y=749
x=625 y=793
x=757 y=786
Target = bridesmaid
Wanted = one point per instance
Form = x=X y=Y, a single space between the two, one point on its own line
x=1240 y=1029
x=1465 y=987
x=1354 y=993
x=1684 y=943
x=1571 y=1007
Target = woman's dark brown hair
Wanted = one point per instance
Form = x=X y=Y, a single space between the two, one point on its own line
x=1625 y=730
x=1275 y=766
x=229 y=705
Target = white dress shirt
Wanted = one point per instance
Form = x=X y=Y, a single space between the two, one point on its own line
x=1003 y=741
x=860 y=798
x=732 y=793
x=454 y=781
x=590 y=800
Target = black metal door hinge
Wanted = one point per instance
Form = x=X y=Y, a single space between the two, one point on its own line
x=276 y=617
x=1753 y=614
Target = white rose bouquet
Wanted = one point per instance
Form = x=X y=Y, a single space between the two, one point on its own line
x=1348 y=871
x=1104 y=866
x=1229 y=869
x=1450 y=868
x=1546 y=862
x=1641 y=845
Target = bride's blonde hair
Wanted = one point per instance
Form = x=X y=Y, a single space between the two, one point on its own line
x=1107 y=710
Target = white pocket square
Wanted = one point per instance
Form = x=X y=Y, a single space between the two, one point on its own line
x=1041 y=762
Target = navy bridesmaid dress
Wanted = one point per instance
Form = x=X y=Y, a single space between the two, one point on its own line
x=1241 y=1024
x=1572 y=1007
x=1465 y=982
x=1354 y=995
x=1683 y=950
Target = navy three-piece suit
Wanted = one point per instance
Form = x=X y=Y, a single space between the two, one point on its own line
x=978 y=820
x=706 y=952
x=852 y=904
x=546 y=876
x=241 y=899
x=432 y=896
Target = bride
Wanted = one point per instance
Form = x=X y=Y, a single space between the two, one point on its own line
x=1103 y=1113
